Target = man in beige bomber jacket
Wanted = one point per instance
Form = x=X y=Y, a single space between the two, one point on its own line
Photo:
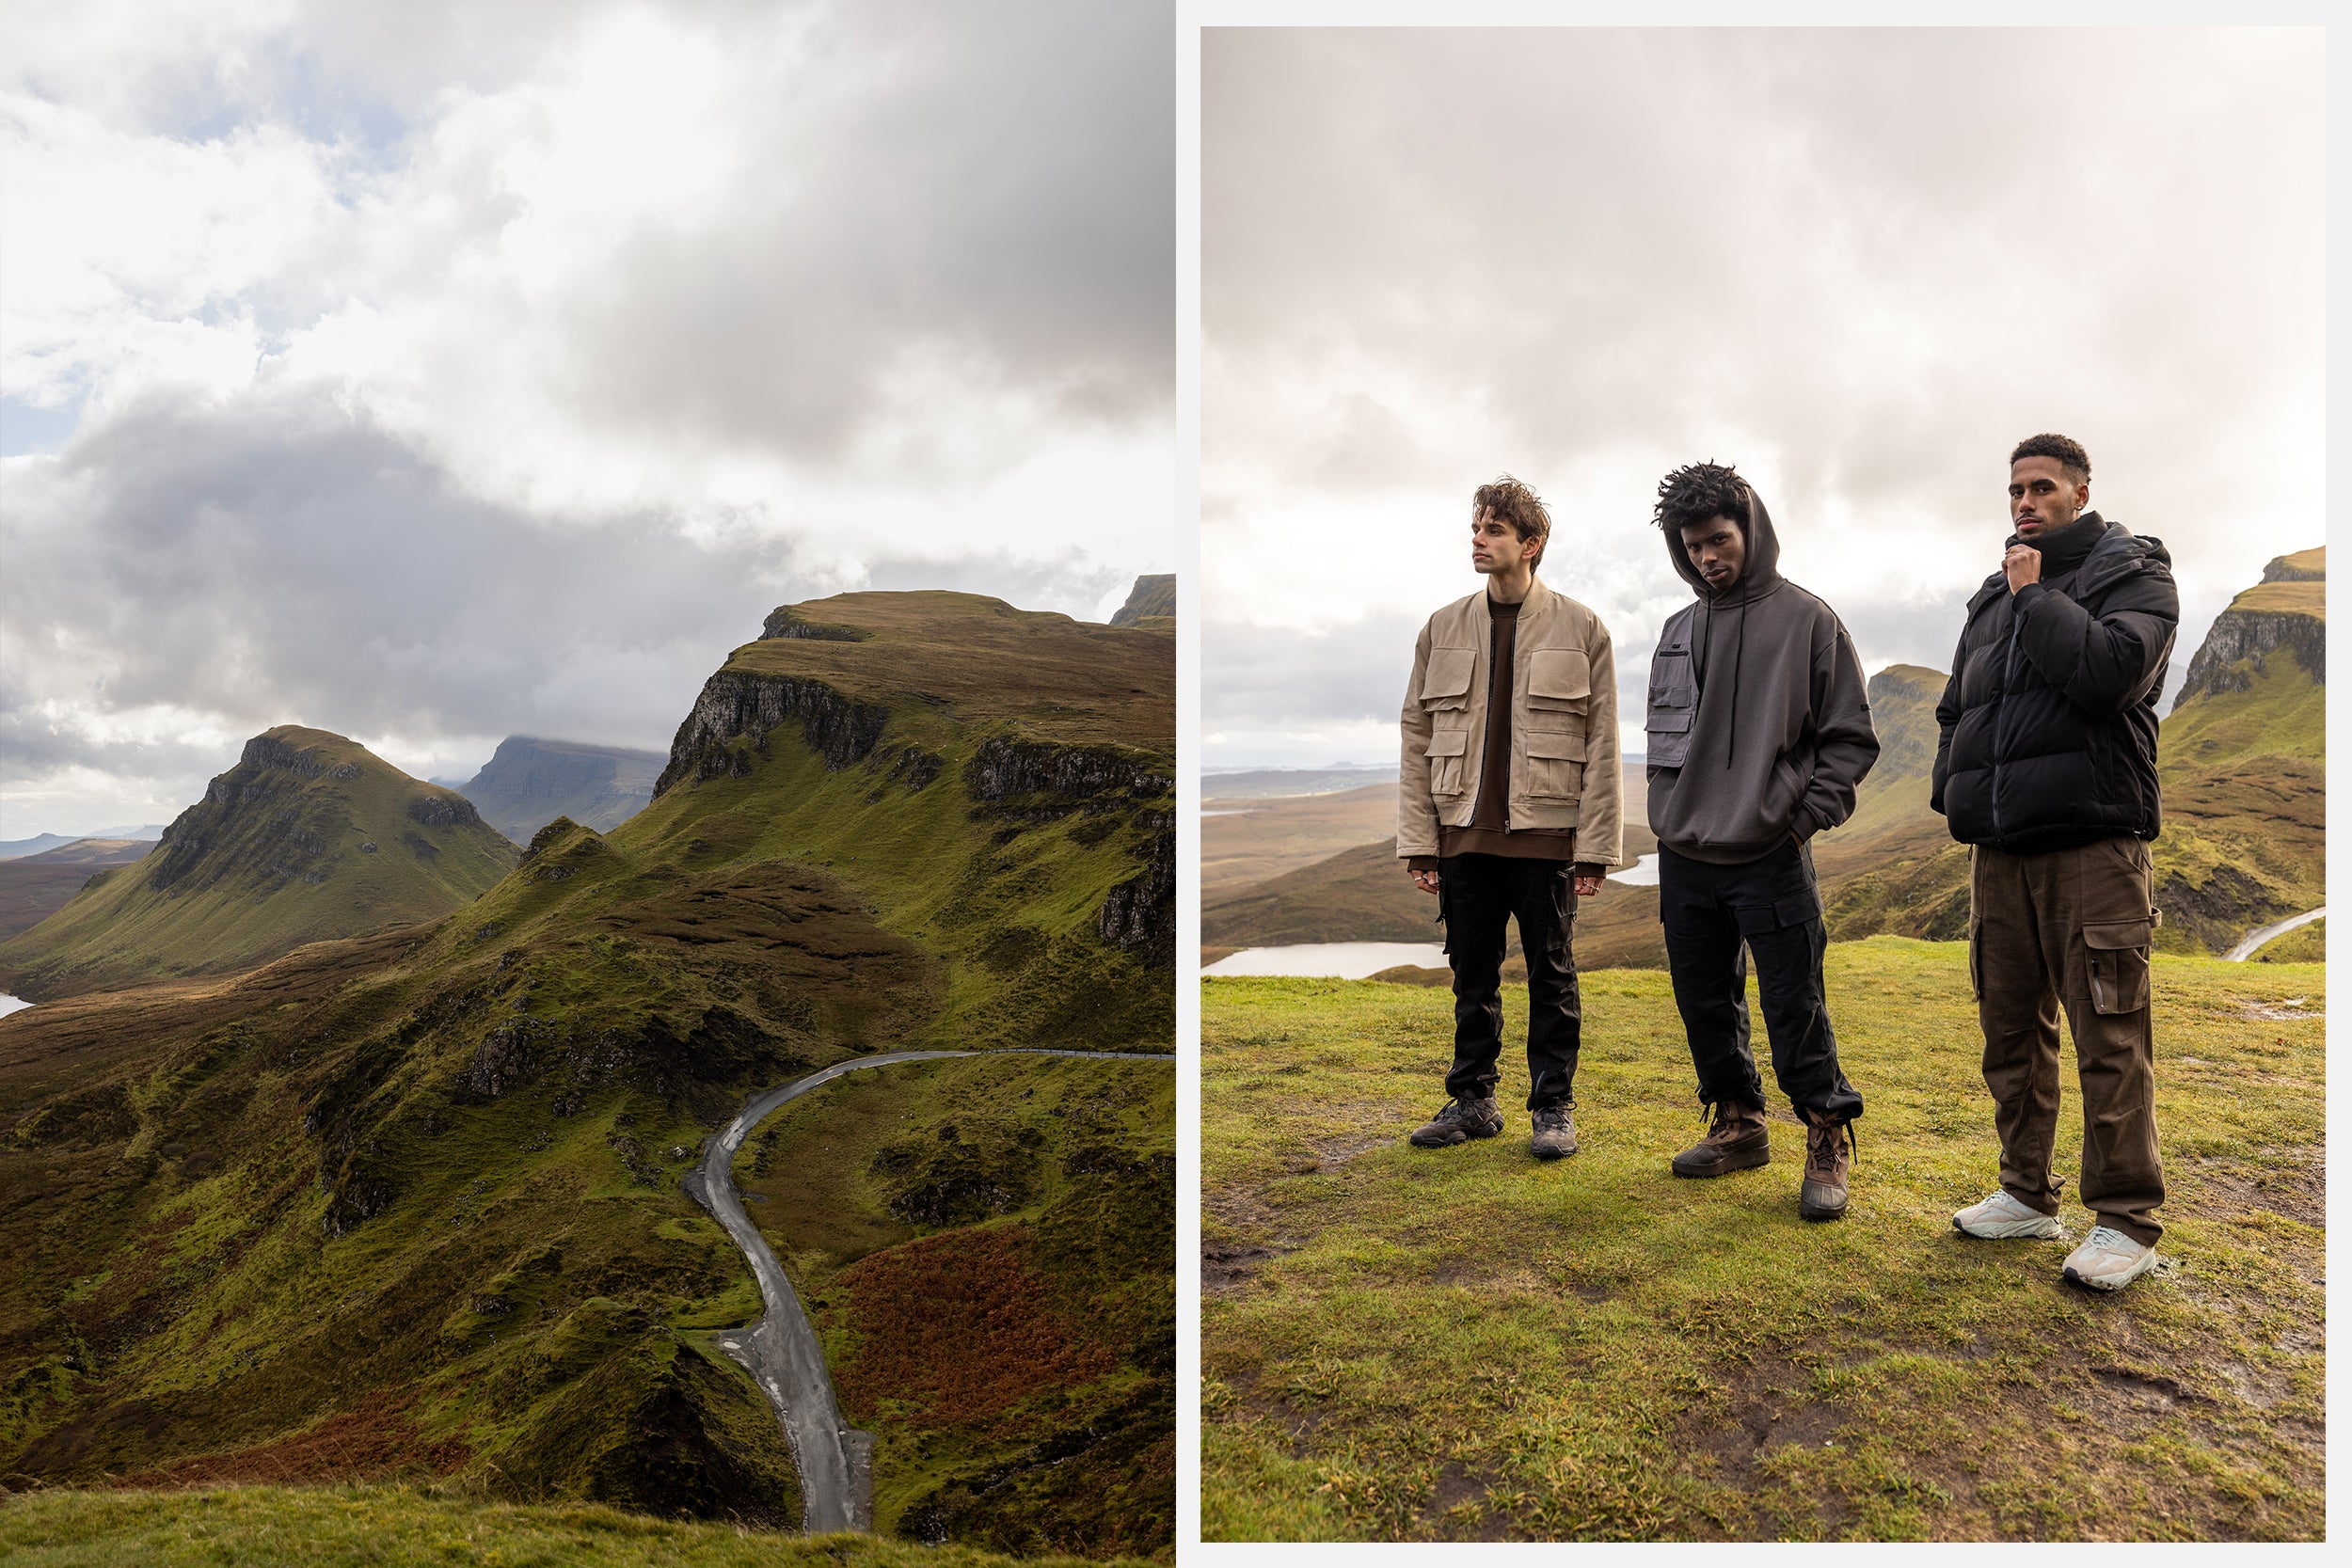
x=1508 y=808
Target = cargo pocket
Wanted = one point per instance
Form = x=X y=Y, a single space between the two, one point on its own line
x=1975 y=962
x=1445 y=682
x=1756 y=920
x=1447 y=750
x=2118 y=963
x=1672 y=699
x=1559 y=680
x=1555 y=763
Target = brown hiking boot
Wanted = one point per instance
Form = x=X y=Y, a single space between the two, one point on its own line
x=1738 y=1141
x=1828 y=1157
x=1460 y=1119
x=1555 y=1132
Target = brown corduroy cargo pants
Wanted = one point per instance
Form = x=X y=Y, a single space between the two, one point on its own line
x=2071 y=926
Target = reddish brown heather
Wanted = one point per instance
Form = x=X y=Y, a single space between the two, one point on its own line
x=961 y=1328
x=373 y=1440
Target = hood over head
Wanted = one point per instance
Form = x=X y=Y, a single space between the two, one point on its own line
x=1763 y=567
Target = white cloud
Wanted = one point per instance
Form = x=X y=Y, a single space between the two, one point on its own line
x=438 y=380
x=1859 y=264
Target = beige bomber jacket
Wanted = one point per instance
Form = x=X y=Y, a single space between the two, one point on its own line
x=1564 y=771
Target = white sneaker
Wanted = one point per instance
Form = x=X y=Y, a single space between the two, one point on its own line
x=2001 y=1217
x=2108 y=1259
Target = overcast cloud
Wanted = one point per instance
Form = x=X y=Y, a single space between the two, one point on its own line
x=1858 y=264
x=436 y=372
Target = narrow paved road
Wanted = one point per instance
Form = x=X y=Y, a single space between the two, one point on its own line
x=781 y=1350
x=2255 y=939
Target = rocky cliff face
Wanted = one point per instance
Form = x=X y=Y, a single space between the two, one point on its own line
x=736 y=704
x=1139 y=914
x=1004 y=768
x=1152 y=600
x=531 y=781
x=2286 y=613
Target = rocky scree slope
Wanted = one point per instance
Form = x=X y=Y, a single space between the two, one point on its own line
x=309 y=837
x=424 y=1183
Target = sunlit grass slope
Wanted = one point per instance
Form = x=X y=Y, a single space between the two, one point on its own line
x=309 y=837
x=1402 y=1343
x=264 y=1527
x=425 y=1183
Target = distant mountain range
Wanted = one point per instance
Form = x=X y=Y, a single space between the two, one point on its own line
x=2242 y=758
x=529 y=781
x=17 y=848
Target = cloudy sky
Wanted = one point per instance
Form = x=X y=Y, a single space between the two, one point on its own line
x=437 y=372
x=1858 y=264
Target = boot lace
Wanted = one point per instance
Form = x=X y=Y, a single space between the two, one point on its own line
x=1820 y=1151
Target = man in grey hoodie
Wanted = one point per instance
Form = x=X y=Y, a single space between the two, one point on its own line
x=1760 y=729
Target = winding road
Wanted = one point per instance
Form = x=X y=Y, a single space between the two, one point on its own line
x=2255 y=939
x=781 y=1350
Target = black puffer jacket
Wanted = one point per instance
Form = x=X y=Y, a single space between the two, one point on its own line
x=2049 y=720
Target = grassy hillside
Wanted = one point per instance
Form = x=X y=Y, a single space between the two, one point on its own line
x=309 y=837
x=425 y=1183
x=386 y=1527
x=1465 y=1344
x=982 y=1244
x=34 y=887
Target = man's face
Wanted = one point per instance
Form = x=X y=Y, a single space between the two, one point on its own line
x=1496 y=547
x=1718 y=550
x=2043 y=497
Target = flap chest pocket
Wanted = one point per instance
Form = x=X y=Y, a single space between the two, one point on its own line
x=2118 y=963
x=1446 y=681
x=1559 y=678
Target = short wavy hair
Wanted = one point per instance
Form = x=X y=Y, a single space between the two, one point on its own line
x=2070 y=453
x=1518 y=505
x=1697 y=491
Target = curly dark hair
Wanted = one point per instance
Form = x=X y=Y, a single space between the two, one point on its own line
x=2070 y=453
x=1518 y=505
x=1697 y=491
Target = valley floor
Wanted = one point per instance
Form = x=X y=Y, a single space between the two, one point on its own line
x=386 y=1526
x=1407 y=1344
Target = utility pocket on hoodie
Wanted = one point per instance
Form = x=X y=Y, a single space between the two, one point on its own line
x=1555 y=763
x=1672 y=703
x=2118 y=963
x=1559 y=680
x=1445 y=682
x=1447 y=750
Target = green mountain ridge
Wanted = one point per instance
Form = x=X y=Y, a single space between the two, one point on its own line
x=428 y=1179
x=310 y=837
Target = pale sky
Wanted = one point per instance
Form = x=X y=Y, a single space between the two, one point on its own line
x=434 y=372
x=1860 y=265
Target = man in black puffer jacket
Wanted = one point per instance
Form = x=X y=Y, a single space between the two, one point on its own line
x=2047 y=765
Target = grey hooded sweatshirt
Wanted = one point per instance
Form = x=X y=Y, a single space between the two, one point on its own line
x=1759 y=721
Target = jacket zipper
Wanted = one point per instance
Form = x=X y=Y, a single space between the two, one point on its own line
x=2009 y=671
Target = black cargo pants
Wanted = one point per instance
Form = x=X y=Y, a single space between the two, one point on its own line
x=1772 y=906
x=1477 y=897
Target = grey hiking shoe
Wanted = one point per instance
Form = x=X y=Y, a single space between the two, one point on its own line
x=1828 y=1157
x=1738 y=1141
x=1555 y=1132
x=1460 y=1119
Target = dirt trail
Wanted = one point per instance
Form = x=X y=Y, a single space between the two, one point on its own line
x=781 y=1350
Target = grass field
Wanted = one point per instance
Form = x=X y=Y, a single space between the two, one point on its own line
x=1406 y=1344
x=381 y=1526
